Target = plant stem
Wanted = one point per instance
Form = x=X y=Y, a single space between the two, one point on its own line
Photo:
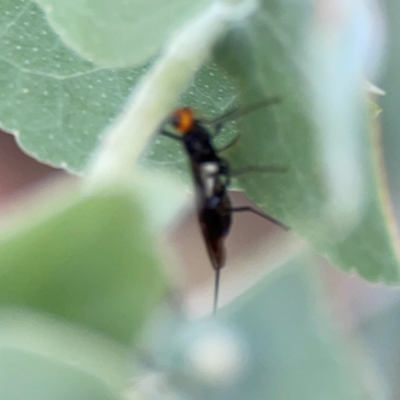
x=158 y=91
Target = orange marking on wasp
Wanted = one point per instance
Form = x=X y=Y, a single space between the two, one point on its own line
x=184 y=120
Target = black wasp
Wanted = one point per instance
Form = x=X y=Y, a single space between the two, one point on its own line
x=211 y=174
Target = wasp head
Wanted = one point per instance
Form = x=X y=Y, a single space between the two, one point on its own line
x=182 y=120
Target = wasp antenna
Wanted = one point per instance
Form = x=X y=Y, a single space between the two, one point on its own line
x=255 y=168
x=238 y=112
x=216 y=290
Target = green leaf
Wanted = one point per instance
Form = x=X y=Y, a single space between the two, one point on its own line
x=55 y=102
x=380 y=333
x=390 y=117
x=371 y=248
x=91 y=261
x=45 y=358
x=274 y=342
x=32 y=376
x=118 y=33
x=163 y=196
x=332 y=193
x=58 y=104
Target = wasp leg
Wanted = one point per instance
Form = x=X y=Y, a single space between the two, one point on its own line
x=229 y=145
x=171 y=136
x=255 y=168
x=260 y=214
x=237 y=112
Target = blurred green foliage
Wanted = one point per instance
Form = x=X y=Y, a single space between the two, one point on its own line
x=92 y=261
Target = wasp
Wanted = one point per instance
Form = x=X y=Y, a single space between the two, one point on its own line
x=212 y=174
